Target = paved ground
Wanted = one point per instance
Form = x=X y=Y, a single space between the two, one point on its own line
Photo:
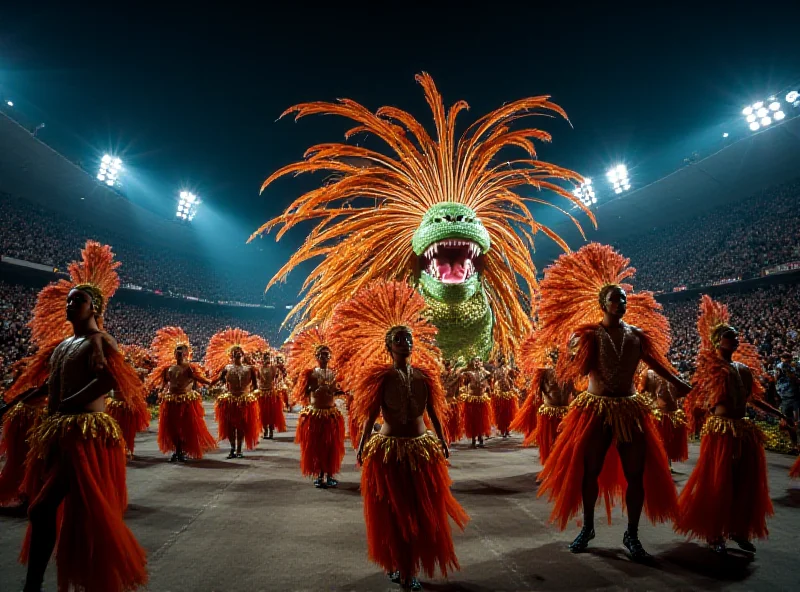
x=257 y=525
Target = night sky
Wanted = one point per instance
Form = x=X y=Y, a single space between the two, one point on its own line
x=189 y=97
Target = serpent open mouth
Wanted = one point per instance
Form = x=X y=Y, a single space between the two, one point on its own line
x=451 y=261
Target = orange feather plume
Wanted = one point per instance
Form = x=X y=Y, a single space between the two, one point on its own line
x=364 y=242
x=96 y=269
x=138 y=355
x=358 y=332
x=218 y=352
x=162 y=350
x=570 y=298
x=301 y=359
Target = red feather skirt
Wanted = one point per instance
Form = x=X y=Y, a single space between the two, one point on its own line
x=794 y=472
x=181 y=423
x=727 y=493
x=550 y=418
x=504 y=408
x=562 y=476
x=270 y=409
x=320 y=433
x=14 y=447
x=526 y=420
x=454 y=421
x=407 y=506
x=477 y=416
x=131 y=419
x=95 y=550
x=674 y=432
x=238 y=414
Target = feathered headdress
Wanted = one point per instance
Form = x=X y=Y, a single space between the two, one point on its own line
x=95 y=274
x=221 y=344
x=366 y=242
x=162 y=349
x=138 y=355
x=571 y=298
x=709 y=382
x=361 y=331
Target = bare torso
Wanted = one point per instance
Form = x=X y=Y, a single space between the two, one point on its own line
x=665 y=394
x=322 y=388
x=739 y=387
x=403 y=404
x=180 y=379
x=73 y=365
x=503 y=378
x=450 y=382
x=238 y=378
x=619 y=351
x=266 y=378
x=476 y=381
x=554 y=394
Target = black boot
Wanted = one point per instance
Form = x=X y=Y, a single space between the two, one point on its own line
x=581 y=542
x=634 y=546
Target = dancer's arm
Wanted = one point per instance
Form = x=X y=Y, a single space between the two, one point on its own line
x=366 y=433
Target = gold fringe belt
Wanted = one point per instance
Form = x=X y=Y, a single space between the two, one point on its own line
x=189 y=397
x=482 y=399
x=20 y=410
x=677 y=417
x=331 y=412
x=230 y=399
x=413 y=451
x=716 y=424
x=263 y=394
x=553 y=410
x=115 y=403
x=512 y=394
x=622 y=414
x=87 y=426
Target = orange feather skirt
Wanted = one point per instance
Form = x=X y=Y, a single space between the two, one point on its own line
x=182 y=424
x=238 y=414
x=550 y=418
x=673 y=429
x=320 y=433
x=14 y=448
x=477 y=416
x=270 y=409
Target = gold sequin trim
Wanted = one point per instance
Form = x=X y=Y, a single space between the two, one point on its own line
x=553 y=410
x=677 y=417
x=414 y=451
x=717 y=424
x=500 y=394
x=331 y=412
x=264 y=394
x=483 y=399
x=115 y=403
x=230 y=399
x=83 y=425
x=23 y=410
x=189 y=397
x=623 y=414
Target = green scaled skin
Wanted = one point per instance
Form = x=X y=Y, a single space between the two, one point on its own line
x=461 y=312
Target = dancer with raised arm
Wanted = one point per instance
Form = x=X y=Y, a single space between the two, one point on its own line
x=404 y=478
x=182 y=428
x=583 y=303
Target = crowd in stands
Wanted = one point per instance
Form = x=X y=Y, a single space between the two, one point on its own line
x=735 y=240
x=39 y=236
x=129 y=323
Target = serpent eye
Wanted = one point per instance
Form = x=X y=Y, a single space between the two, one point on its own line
x=437 y=220
x=459 y=218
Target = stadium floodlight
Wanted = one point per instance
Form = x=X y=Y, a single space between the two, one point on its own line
x=765 y=121
x=725 y=134
x=774 y=106
x=762 y=112
x=188 y=203
x=779 y=115
x=747 y=110
x=110 y=169
x=585 y=192
x=10 y=103
x=619 y=179
x=751 y=118
x=754 y=126
x=792 y=96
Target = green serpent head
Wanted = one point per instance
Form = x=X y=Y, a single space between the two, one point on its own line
x=450 y=242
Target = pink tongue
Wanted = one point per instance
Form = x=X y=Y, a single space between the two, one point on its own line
x=451 y=274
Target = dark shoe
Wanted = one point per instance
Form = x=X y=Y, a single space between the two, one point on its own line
x=394 y=577
x=231 y=455
x=412 y=584
x=331 y=482
x=744 y=544
x=239 y=455
x=581 y=542
x=182 y=457
x=271 y=434
x=174 y=457
x=634 y=547
x=320 y=484
x=473 y=445
x=718 y=547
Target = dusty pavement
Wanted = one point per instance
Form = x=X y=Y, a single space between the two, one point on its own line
x=257 y=525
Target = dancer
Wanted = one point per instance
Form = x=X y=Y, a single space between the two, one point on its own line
x=404 y=479
x=131 y=416
x=727 y=494
x=454 y=417
x=270 y=403
x=669 y=417
x=182 y=428
x=504 y=395
x=320 y=427
x=583 y=303
x=555 y=404
x=476 y=403
x=77 y=456
x=236 y=410
x=533 y=366
x=282 y=383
